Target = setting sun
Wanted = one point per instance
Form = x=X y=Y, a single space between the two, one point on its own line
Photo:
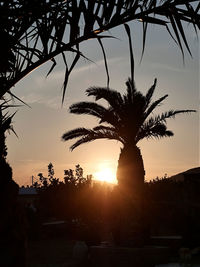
x=106 y=175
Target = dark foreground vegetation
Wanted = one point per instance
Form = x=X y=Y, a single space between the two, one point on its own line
x=78 y=209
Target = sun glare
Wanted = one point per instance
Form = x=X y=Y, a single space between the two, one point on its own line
x=106 y=175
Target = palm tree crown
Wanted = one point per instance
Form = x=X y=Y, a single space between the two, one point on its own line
x=128 y=118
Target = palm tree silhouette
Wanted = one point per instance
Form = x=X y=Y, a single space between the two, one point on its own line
x=128 y=119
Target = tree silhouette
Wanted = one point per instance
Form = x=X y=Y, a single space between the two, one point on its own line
x=75 y=177
x=128 y=119
x=5 y=126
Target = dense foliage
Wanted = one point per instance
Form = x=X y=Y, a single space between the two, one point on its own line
x=92 y=210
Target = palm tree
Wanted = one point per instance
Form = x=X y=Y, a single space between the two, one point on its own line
x=128 y=119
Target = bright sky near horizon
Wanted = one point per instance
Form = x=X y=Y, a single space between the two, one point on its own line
x=40 y=127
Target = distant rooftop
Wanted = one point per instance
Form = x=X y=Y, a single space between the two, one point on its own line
x=194 y=172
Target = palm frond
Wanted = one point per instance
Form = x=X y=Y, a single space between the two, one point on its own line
x=154 y=105
x=157 y=130
x=113 y=97
x=150 y=93
x=133 y=106
x=171 y=114
x=105 y=60
x=130 y=91
x=155 y=125
x=6 y=118
x=89 y=108
x=128 y=31
x=104 y=128
x=110 y=132
x=83 y=140
x=75 y=133
x=166 y=115
x=90 y=135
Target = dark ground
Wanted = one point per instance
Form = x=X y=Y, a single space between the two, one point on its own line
x=58 y=251
x=50 y=252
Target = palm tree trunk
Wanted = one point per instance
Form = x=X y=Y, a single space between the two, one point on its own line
x=130 y=172
x=130 y=175
x=2 y=139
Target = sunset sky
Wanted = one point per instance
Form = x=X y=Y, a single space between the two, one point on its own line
x=40 y=127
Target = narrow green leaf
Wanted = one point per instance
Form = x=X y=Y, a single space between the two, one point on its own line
x=105 y=60
x=127 y=28
x=171 y=34
x=52 y=67
x=67 y=73
x=109 y=10
x=66 y=77
x=178 y=22
x=176 y=33
x=145 y=24
x=18 y=99
x=154 y=20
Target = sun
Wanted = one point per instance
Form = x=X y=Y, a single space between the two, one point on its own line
x=106 y=175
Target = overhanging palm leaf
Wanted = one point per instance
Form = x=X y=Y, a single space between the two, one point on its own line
x=5 y=126
x=34 y=32
x=6 y=118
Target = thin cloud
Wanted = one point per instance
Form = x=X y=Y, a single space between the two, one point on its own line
x=45 y=90
x=96 y=65
x=167 y=67
x=59 y=75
